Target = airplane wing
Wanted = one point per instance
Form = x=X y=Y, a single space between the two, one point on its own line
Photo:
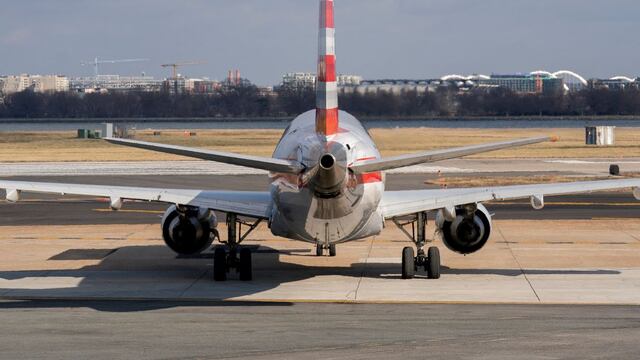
x=398 y=203
x=256 y=162
x=248 y=203
x=437 y=155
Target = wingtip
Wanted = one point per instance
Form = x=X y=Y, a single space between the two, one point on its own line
x=554 y=138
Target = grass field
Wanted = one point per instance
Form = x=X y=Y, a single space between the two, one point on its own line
x=63 y=146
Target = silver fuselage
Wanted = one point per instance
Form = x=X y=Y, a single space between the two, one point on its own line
x=351 y=212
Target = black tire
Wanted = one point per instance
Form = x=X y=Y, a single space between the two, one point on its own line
x=614 y=170
x=246 y=267
x=319 y=250
x=220 y=264
x=408 y=263
x=332 y=250
x=433 y=263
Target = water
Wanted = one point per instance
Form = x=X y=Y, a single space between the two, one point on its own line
x=57 y=125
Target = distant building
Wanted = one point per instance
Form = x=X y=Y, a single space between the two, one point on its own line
x=38 y=83
x=302 y=80
x=201 y=86
x=614 y=84
x=349 y=80
x=394 y=86
x=116 y=83
x=524 y=84
x=298 y=80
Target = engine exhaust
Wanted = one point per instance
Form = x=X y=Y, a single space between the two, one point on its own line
x=330 y=174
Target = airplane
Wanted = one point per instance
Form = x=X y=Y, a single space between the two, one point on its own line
x=327 y=187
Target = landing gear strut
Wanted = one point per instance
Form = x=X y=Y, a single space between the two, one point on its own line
x=429 y=260
x=224 y=261
x=320 y=248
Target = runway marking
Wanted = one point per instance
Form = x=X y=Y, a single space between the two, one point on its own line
x=131 y=211
x=612 y=161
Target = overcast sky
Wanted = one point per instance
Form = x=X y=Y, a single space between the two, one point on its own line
x=375 y=38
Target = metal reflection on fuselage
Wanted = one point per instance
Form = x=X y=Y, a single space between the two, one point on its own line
x=301 y=210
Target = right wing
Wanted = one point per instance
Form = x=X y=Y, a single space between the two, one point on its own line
x=256 y=162
x=248 y=203
x=437 y=155
x=398 y=203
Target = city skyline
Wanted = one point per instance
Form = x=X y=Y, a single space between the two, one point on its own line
x=418 y=39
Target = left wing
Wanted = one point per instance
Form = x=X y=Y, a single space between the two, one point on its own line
x=398 y=203
x=248 y=203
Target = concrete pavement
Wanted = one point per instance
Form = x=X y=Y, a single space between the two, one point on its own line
x=549 y=262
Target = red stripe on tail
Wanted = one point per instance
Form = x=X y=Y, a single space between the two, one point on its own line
x=328 y=14
x=327 y=121
x=327 y=68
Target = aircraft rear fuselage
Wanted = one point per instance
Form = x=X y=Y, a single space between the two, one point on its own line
x=327 y=203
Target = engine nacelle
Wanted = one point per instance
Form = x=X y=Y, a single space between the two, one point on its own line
x=190 y=232
x=467 y=233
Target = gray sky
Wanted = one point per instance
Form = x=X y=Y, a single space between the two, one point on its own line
x=375 y=38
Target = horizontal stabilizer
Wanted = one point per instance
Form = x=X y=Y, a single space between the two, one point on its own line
x=437 y=155
x=254 y=162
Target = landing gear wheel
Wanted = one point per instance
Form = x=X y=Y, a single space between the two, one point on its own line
x=245 y=268
x=220 y=264
x=433 y=263
x=319 y=250
x=408 y=263
x=332 y=250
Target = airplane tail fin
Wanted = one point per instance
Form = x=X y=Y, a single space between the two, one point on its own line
x=326 y=82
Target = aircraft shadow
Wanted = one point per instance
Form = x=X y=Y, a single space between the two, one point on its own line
x=128 y=273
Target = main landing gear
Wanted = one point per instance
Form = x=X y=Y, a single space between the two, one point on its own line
x=237 y=257
x=429 y=260
x=320 y=248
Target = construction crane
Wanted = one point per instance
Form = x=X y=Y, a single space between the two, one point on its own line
x=176 y=65
x=174 y=71
x=95 y=62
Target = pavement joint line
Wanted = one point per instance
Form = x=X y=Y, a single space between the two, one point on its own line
x=631 y=235
x=364 y=267
x=204 y=272
x=518 y=263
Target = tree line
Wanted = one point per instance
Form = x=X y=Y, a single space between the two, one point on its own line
x=249 y=101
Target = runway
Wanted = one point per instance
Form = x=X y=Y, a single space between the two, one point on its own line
x=172 y=330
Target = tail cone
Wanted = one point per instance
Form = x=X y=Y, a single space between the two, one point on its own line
x=330 y=174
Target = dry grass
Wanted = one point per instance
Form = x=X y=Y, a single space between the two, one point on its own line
x=570 y=145
x=63 y=146
x=475 y=181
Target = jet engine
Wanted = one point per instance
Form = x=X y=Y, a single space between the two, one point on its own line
x=465 y=230
x=188 y=231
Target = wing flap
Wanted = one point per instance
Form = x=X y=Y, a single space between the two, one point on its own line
x=249 y=203
x=437 y=155
x=398 y=203
x=255 y=162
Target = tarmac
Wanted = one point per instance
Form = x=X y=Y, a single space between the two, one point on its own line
x=205 y=330
x=59 y=251
x=77 y=279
